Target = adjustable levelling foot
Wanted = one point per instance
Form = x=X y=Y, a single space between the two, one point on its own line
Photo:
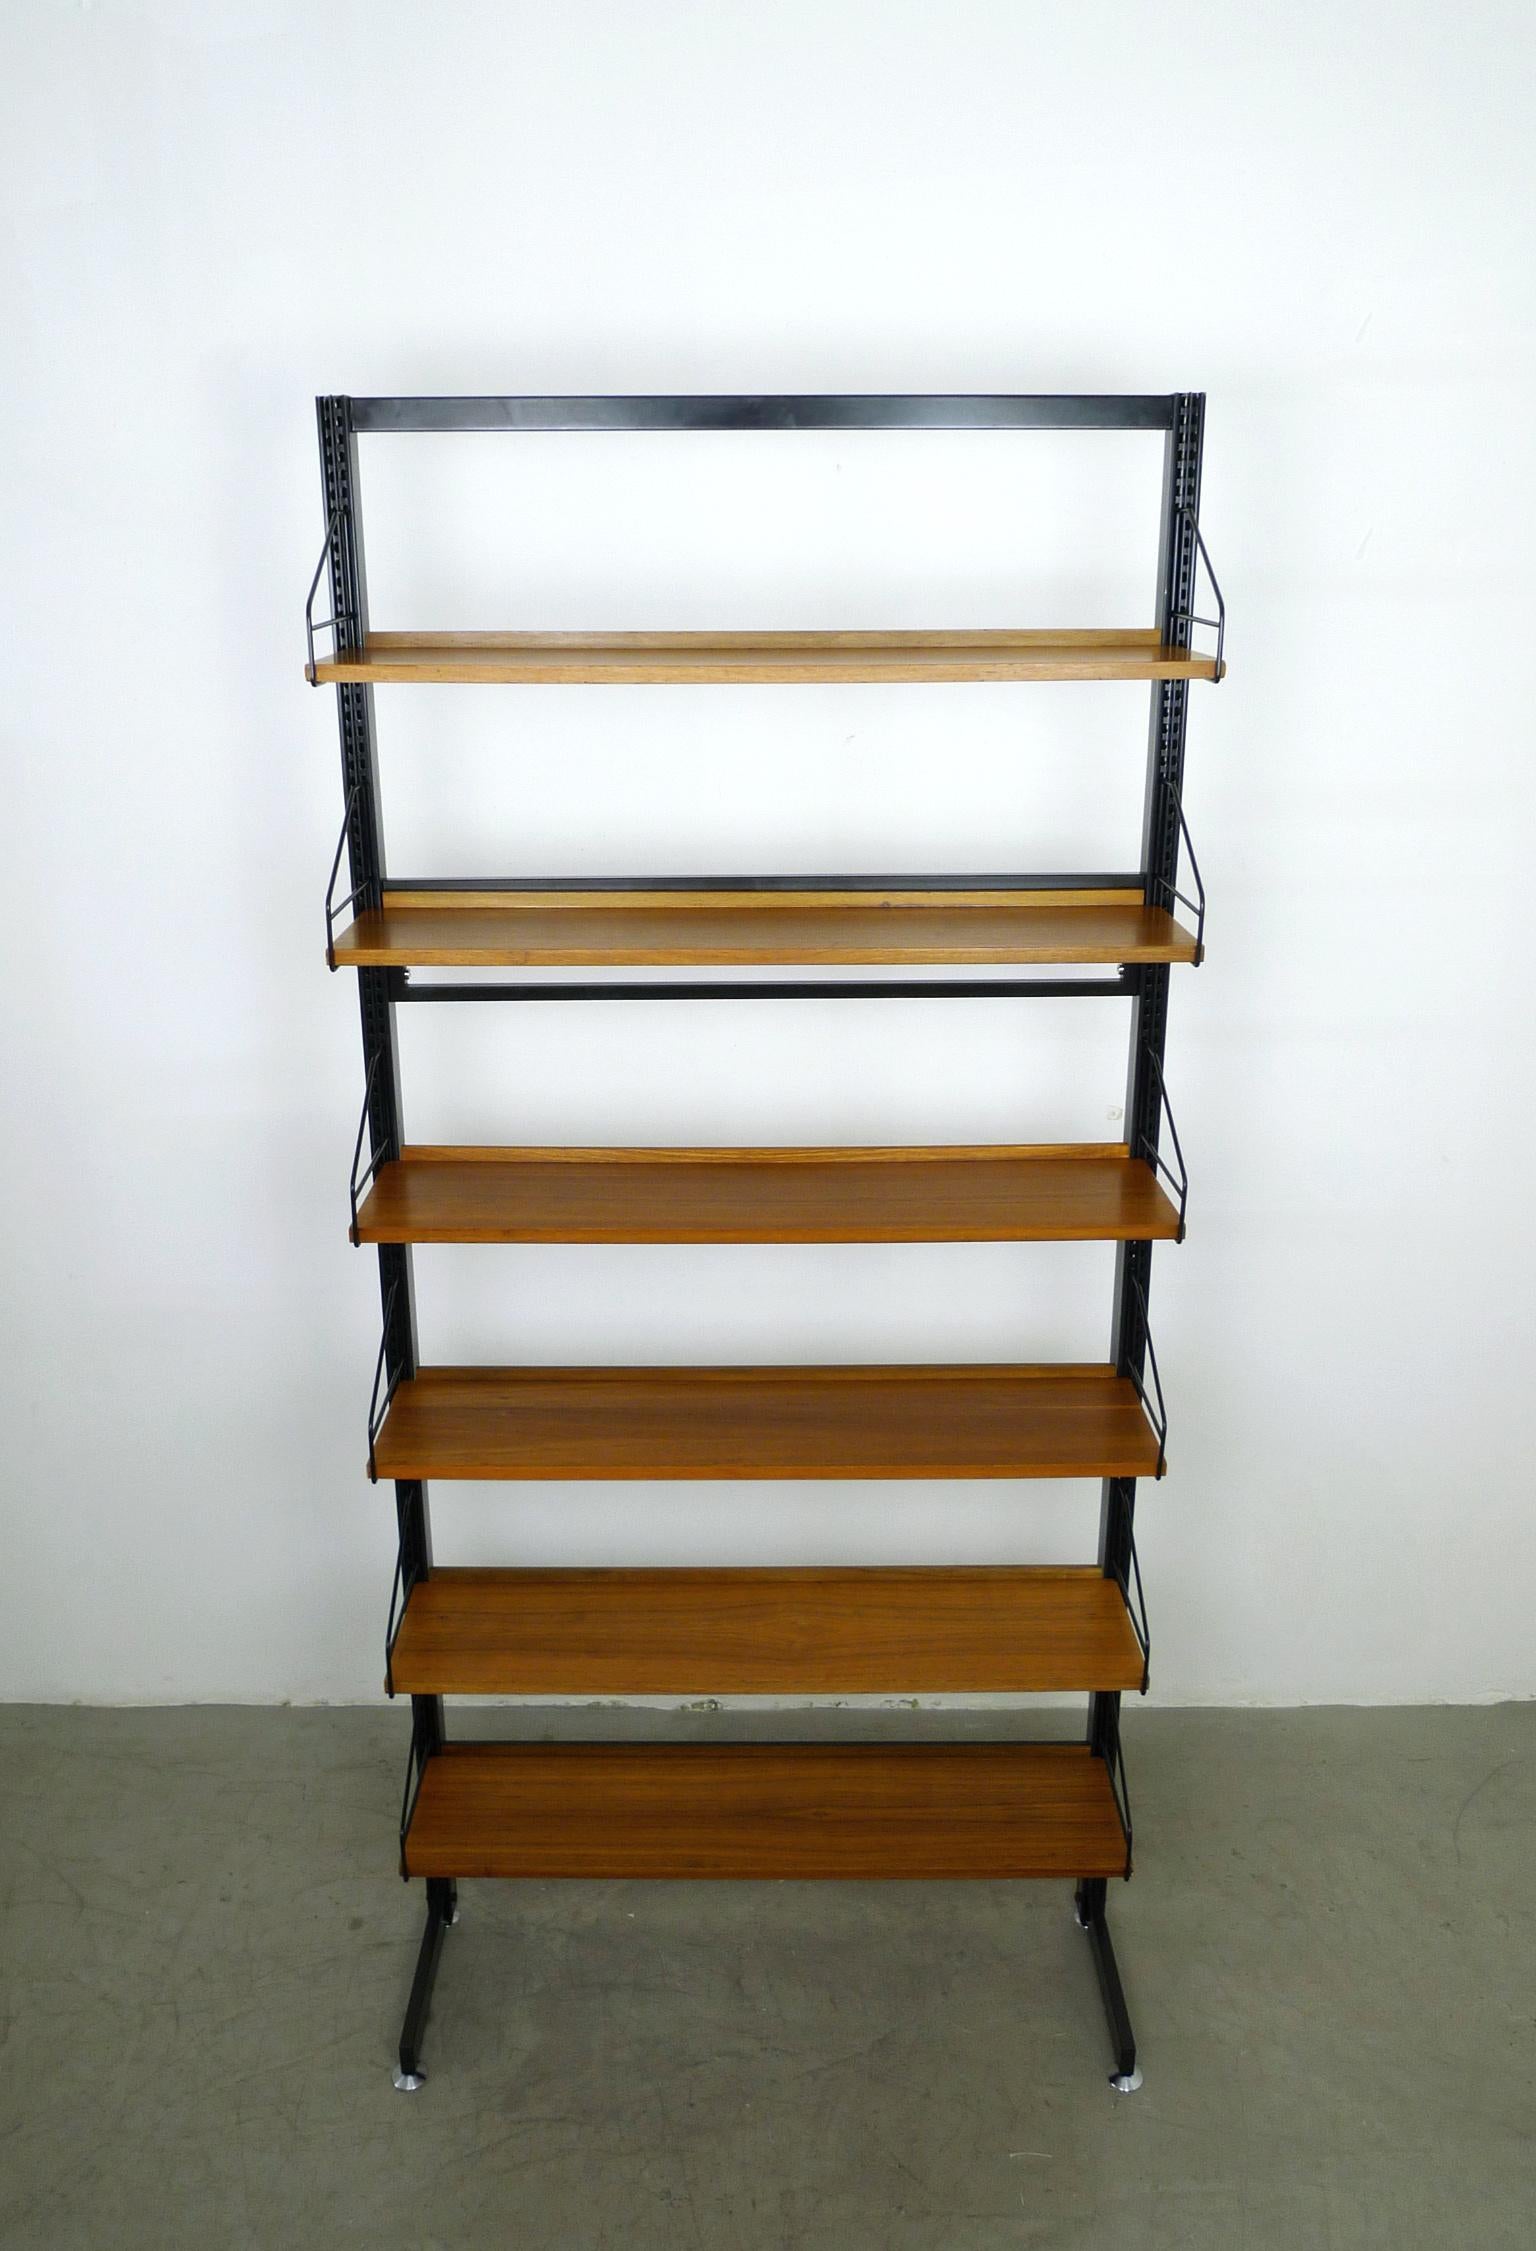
x=442 y=1913
x=1091 y=1915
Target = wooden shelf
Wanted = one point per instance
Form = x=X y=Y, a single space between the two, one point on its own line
x=836 y=1632
x=695 y=659
x=904 y=1195
x=765 y=1810
x=995 y=1420
x=585 y=929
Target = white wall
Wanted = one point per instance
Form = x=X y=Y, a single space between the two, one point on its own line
x=1320 y=214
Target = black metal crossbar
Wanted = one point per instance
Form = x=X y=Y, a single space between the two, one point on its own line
x=1119 y=880
x=1122 y=987
x=890 y=410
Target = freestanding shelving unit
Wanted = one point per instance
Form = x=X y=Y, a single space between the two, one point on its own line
x=767 y=1810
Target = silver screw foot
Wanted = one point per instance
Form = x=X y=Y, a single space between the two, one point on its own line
x=408 y=2081
x=1125 y=2082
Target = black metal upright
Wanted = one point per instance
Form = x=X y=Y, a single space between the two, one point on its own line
x=364 y=836
x=1129 y=1340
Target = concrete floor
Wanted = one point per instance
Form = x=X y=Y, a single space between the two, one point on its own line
x=1329 y=1947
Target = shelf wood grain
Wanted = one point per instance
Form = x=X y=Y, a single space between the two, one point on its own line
x=589 y=930
x=818 y=1811
x=706 y=659
x=902 y=1195
x=993 y=1420
x=802 y=1631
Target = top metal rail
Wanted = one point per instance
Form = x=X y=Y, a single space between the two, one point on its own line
x=894 y=410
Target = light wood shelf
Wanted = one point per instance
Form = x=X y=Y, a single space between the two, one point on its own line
x=900 y=1195
x=702 y=659
x=591 y=930
x=995 y=1420
x=794 y=1632
x=765 y=1810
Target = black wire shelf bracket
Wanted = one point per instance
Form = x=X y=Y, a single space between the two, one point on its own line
x=1114 y=1765
x=1156 y=1414
x=335 y=908
x=420 y=1751
x=1168 y=886
x=377 y=1408
x=1127 y=1578
x=1184 y=620
x=312 y=624
x=1150 y=1149
x=362 y=1175
x=406 y=1575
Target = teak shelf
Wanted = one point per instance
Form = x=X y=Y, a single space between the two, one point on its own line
x=1054 y=1421
x=480 y=930
x=732 y=1809
x=489 y=1195
x=724 y=659
x=829 y=1631
x=766 y=1809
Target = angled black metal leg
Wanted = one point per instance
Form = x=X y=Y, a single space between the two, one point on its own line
x=1091 y=1904
x=442 y=1910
